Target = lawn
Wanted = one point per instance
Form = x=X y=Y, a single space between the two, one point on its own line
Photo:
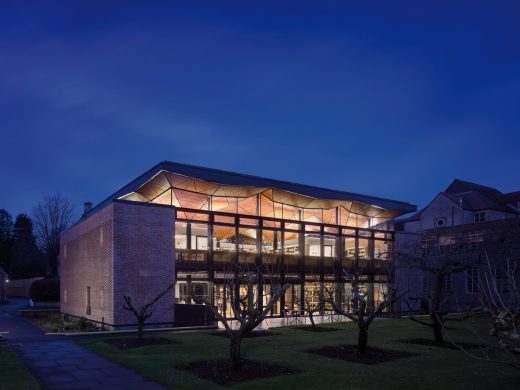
x=428 y=368
x=14 y=375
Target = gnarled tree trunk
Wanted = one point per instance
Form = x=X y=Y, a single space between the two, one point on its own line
x=234 y=350
x=362 y=338
x=311 y=317
x=140 y=327
x=437 y=328
x=436 y=315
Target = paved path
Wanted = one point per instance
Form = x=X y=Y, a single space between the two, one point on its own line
x=62 y=364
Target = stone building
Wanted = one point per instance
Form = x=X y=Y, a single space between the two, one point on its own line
x=469 y=223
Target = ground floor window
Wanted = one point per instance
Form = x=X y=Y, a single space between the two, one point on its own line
x=187 y=291
x=447 y=284
x=501 y=280
x=472 y=280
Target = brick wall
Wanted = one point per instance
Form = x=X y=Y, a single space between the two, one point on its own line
x=86 y=266
x=123 y=249
x=144 y=259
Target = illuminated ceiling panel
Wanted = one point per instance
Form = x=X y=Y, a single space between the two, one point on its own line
x=193 y=193
x=135 y=197
x=247 y=206
x=234 y=195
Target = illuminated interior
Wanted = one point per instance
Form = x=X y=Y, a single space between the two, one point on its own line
x=191 y=193
x=219 y=224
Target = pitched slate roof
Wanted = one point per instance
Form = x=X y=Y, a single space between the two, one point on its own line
x=475 y=197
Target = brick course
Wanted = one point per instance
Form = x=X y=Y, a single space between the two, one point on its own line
x=123 y=249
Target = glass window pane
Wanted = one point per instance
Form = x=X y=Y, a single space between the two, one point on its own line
x=223 y=243
x=224 y=219
x=247 y=245
x=224 y=204
x=381 y=249
x=312 y=228
x=247 y=206
x=313 y=215
x=191 y=200
x=329 y=216
x=192 y=216
x=332 y=230
x=291 y=212
x=266 y=207
x=380 y=235
x=365 y=233
x=248 y=221
x=291 y=248
x=312 y=245
x=181 y=239
x=293 y=226
x=199 y=237
x=273 y=224
x=271 y=241
x=329 y=246
x=364 y=248
x=348 y=232
x=349 y=248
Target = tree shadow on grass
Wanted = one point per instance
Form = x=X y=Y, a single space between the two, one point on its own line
x=220 y=372
x=317 y=329
x=255 y=333
x=432 y=343
x=131 y=343
x=372 y=356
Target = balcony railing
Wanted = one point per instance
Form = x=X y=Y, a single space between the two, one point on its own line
x=199 y=258
x=184 y=255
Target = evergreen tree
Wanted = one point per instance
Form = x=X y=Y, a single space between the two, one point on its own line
x=6 y=239
x=26 y=260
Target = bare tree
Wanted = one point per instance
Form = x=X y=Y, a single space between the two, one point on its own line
x=143 y=312
x=438 y=263
x=356 y=308
x=248 y=307
x=505 y=314
x=313 y=302
x=52 y=216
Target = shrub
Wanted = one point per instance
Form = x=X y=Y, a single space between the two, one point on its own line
x=45 y=290
x=57 y=322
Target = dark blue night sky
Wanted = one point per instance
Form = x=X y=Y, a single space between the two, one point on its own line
x=393 y=99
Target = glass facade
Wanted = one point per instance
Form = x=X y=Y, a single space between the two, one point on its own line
x=309 y=241
x=304 y=254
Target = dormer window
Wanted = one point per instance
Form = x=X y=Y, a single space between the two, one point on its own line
x=480 y=217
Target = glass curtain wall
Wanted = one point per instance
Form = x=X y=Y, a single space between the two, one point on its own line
x=259 y=229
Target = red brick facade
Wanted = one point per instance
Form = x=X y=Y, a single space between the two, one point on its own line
x=124 y=249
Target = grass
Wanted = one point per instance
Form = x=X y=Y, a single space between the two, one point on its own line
x=432 y=368
x=14 y=375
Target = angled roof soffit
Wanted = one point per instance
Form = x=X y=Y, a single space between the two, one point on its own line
x=157 y=189
x=161 y=183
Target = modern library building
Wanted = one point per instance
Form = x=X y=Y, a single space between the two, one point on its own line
x=189 y=225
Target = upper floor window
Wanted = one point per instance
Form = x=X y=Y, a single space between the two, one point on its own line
x=446 y=243
x=426 y=245
x=472 y=237
x=480 y=217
